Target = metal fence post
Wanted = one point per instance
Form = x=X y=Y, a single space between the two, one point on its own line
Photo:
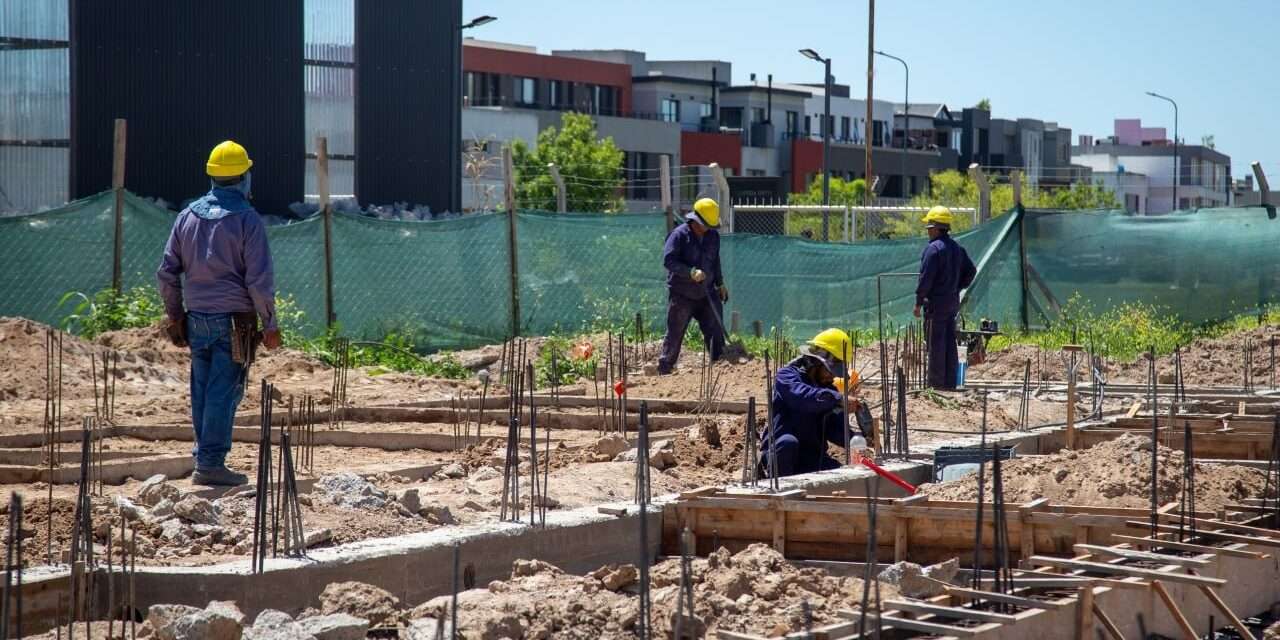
x=117 y=185
x=509 y=182
x=326 y=212
x=561 y=198
x=1264 y=189
x=1015 y=178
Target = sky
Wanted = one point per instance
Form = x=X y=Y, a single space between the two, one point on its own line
x=1081 y=63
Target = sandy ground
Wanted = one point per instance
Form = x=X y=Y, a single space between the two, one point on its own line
x=1110 y=474
x=1213 y=362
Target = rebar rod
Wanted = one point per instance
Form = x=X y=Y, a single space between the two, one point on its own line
x=642 y=479
x=868 y=572
x=982 y=473
x=1155 y=439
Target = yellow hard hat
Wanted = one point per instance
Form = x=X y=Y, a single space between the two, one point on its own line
x=837 y=347
x=706 y=211
x=228 y=160
x=938 y=215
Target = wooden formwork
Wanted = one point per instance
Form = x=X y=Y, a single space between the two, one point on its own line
x=926 y=531
x=1218 y=436
x=1085 y=570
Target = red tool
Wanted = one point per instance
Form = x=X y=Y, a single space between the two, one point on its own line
x=888 y=475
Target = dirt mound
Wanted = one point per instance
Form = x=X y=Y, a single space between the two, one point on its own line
x=754 y=591
x=1110 y=474
x=1209 y=362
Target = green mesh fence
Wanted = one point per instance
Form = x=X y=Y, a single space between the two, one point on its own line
x=1203 y=265
x=447 y=284
x=443 y=284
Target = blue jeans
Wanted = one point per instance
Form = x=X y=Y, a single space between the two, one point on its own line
x=217 y=384
x=680 y=310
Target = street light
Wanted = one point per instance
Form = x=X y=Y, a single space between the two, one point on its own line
x=482 y=20
x=906 y=115
x=1175 y=144
x=455 y=143
x=826 y=132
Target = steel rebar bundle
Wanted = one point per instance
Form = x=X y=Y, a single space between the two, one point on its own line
x=537 y=492
x=771 y=454
x=982 y=487
x=1187 y=513
x=684 y=601
x=1024 y=421
x=643 y=628
x=12 y=605
x=1272 y=483
x=338 y=389
x=1155 y=439
x=262 y=494
x=642 y=479
x=510 y=505
x=900 y=429
x=869 y=582
x=294 y=536
x=750 y=446
x=1003 y=570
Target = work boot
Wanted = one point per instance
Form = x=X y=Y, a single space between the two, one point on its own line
x=218 y=477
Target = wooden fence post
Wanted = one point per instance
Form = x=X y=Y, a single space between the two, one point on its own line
x=509 y=180
x=117 y=185
x=561 y=197
x=984 y=192
x=326 y=212
x=664 y=171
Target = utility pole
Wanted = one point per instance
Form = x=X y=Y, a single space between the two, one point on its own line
x=871 y=59
x=826 y=135
x=906 y=116
x=1176 y=177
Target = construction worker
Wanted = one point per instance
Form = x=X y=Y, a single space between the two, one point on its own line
x=808 y=410
x=695 y=285
x=945 y=270
x=217 y=280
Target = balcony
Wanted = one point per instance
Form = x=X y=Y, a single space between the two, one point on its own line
x=509 y=103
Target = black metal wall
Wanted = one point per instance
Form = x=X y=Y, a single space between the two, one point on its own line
x=407 y=102
x=187 y=75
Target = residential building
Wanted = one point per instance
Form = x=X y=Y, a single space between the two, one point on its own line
x=1204 y=173
x=1040 y=150
x=516 y=87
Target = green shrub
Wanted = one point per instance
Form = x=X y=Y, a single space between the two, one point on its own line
x=555 y=362
x=107 y=311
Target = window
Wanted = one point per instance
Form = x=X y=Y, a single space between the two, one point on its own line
x=844 y=127
x=704 y=109
x=878 y=133
x=556 y=89
x=808 y=129
x=669 y=110
x=758 y=173
x=757 y=114
x=793 y=123
x=731 y=117
x=526 y=90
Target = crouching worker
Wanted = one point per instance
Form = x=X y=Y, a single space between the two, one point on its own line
x=808 y=410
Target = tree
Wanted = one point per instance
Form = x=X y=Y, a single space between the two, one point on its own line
x=984 y=104
x=956 y=189
x=1207 y=140
x=591 y=167
x=844 y=193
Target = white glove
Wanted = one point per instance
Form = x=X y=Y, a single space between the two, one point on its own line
x=698 y=275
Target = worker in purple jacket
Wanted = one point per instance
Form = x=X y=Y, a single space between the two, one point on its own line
x=695 y=284
x=217 y=280
x=945 y=271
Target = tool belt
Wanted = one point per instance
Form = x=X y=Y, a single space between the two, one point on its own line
x=245 y=337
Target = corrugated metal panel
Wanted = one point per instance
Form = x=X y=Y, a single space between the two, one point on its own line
x=43 y=19
x=34 y=105
x=187 y=76
x=407 y=143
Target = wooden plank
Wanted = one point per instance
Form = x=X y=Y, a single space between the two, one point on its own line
x=1130 y=554
x=1187 y=546
x=700 y=491
x=1226 y=611
x=1084 y=613
x=1133 y=409
x=780 y=532
x=927 y=627
x=1110 y=626
x=1188 y=632
x=1020 y=601
x=1220 y=524
x=1100 y=567
x=1027 y=541
x=900 y=529
x=1234 y=537
x=734 y=635
x=959 y=613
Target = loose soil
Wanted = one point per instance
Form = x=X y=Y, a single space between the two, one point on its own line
x=1205 y=362
x=1110 y=474
x=753 y=591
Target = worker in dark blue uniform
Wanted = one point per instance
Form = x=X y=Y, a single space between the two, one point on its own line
x=695 y=284
x=945 y=270
x=808 y=410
